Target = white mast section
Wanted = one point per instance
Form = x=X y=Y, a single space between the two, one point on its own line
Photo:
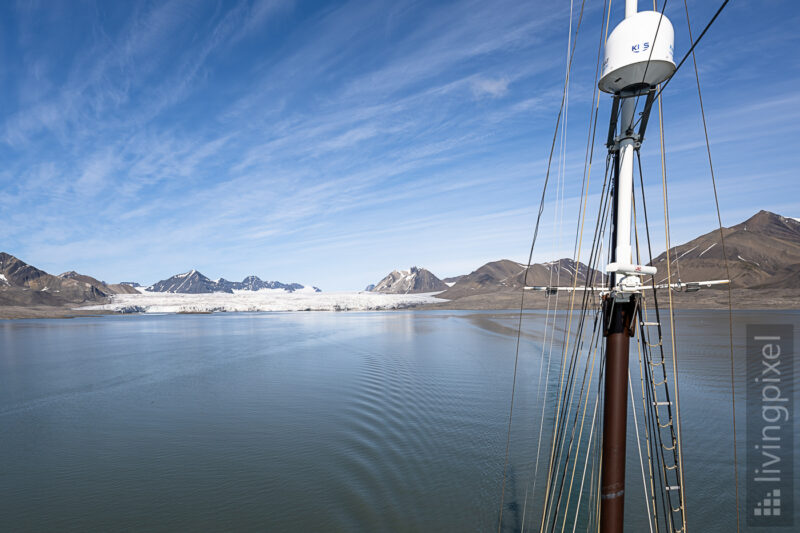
x=638 y=56
x=625 y=184
x=631 y=7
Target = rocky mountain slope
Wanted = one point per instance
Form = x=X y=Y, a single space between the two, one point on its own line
x=415 y=280
x=254 y=283
x=23 y=285
x=192 y=282
x=763 y=252
x=507 y=275
x=491 y=277
x=102 y=286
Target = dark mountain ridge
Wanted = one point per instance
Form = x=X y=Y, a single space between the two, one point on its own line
x=102 y=286
x=763 y=252
x=24 y=285
x=507 y=275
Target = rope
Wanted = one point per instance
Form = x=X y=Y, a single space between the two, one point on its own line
x=649 y=57
x=639 y=447
x=691 y=49
x=543 y=400
x=588 y=160
x=558 y=432
x=640 y=334
x=653 y=416
x=671 y=308
x=564 y=444
x=725 y=256
x=527 y=269
x=580 y=435
x=586 y=462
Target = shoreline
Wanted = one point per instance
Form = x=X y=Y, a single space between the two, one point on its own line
x=712 y=299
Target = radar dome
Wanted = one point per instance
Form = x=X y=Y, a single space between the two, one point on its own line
x=638 y=53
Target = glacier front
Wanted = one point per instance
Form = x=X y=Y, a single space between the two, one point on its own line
x=262 y=300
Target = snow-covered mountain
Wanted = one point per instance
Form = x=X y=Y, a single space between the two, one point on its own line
x=254 y=283
x=193 y=282
x=415 y=280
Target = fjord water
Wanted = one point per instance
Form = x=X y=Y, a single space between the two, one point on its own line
x=389 y=421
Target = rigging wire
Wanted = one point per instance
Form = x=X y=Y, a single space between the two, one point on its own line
x=566 y=395
x=588 y=159
x=725 y=257
x=649 y=58
x=586 y=462
x=640 y=334
x=557 y=222
x=580 y=434
x=558 y=431
x=691 y=49
x=639 y=447
x=677 y=444
x=652 y=416
x=527 y=269
x=694 y=43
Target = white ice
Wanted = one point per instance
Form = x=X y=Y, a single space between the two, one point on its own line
x=263 y=300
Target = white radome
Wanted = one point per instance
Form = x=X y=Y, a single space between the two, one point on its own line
x=633 y=42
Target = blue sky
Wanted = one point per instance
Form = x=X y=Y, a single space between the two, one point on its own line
x=329 y=142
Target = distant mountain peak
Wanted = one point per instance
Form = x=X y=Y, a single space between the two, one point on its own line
x=193 y=282
x=24 y=284
x=508 y=275
x=763 y=220
x=762 y=252
x=413 y=280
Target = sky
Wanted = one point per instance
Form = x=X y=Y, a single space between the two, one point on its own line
x=329 y=143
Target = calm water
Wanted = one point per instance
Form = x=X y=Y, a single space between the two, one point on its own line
x=306 y=421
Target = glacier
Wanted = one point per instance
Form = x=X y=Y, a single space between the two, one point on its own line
x=262 y=300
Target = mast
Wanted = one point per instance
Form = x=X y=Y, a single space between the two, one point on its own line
x=638 y=56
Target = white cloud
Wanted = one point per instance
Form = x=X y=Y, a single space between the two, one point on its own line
x=490 y=87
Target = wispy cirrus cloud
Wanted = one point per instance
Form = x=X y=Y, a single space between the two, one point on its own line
x=489 y=87
x=272 y=137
